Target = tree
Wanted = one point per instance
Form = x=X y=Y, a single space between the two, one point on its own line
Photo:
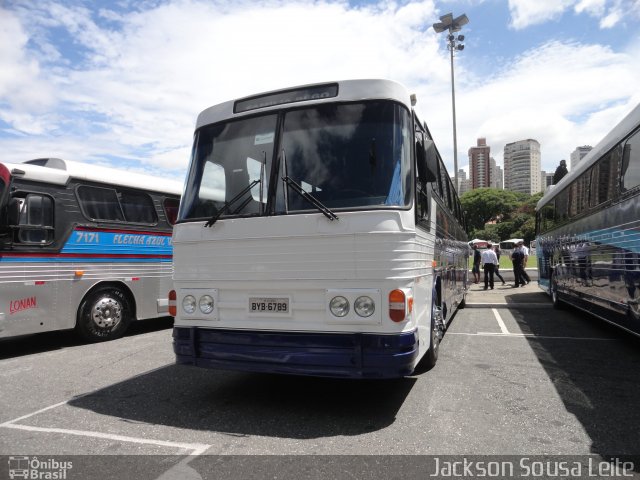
x=484 y=204
x=529 y=205
x=561 y=171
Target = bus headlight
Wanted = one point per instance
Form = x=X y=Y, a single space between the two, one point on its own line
x=189 y=304
x=206 y=304
x=364 y=306
x=339 y=306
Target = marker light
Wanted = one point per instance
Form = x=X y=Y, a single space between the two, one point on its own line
x=173 y=311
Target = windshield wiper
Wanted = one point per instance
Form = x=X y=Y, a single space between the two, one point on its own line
x=228 y=204
x=300 y=191
x=310 y=198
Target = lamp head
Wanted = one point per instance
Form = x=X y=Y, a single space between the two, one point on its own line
x=439 y=27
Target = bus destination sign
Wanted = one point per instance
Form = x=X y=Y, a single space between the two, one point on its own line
x=288 y=96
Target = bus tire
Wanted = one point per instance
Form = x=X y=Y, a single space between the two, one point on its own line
x=104 y=314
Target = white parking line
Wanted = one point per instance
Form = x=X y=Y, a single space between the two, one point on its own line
x=5 y=424
x=529 y=335
x=503 y=327
x=192 y=449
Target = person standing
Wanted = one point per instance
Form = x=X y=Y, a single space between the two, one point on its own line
x=525 y=256
x=489 y=261
x=476 y=264
x=497 y=269
x=517 y=258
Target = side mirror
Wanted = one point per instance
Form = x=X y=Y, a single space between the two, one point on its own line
x=421 y=160
x=431 y=161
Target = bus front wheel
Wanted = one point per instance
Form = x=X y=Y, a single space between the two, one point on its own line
x=104 y=314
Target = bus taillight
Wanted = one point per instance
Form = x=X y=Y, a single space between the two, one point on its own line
x=397 y=305
x=172 y=303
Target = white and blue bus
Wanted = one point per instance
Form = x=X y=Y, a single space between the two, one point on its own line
x=84 y=247
x=319 y=234
x=588 y=231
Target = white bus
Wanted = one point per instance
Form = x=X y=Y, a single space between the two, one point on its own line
x=83 y=247
x=319 y=234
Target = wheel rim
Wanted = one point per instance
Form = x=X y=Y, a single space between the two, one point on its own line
x=106 y=313
x=436 y=331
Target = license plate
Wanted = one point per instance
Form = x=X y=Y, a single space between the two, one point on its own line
x=269 y=305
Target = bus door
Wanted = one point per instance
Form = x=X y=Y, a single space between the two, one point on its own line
x=28 y=268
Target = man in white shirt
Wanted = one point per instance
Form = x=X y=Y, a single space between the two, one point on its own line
x=489 y=262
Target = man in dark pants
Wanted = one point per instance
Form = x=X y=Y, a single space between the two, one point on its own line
x=476 y=264
x=517 y=258
x=489 y=260
x=525 y=256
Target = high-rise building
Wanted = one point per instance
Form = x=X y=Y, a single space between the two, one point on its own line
x=480 y=164
x=578 y=154
x=464 y=184
x=496 y=175
x=546 y=180
x=522 y=166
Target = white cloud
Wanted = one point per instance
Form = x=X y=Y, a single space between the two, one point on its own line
x=531 y=12
x=21 y=87
x=562 y=95
x=138 y=81
x=148 y=80
x=525 y=13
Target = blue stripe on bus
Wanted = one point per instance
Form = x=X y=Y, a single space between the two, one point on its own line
x=110 y=242
x=103 y=246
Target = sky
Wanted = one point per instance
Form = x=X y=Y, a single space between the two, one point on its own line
x=121 y=82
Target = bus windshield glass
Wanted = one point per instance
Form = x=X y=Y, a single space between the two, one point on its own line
x=347 y=156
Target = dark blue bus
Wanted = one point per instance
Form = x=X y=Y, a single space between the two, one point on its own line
x=588 y=231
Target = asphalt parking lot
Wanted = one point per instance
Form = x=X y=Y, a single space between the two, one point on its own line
x=515 y=377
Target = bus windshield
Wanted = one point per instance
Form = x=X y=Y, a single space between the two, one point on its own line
x=347 y=156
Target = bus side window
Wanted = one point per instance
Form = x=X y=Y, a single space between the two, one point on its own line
x=562 y=208
x=34 y=219
x=137 y=207
x=98 y=203
x=631 y=163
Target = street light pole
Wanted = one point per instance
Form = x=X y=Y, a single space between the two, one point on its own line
x=453 y=108
x=447 y=22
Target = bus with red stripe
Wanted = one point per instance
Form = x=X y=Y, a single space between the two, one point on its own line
x=83 y=247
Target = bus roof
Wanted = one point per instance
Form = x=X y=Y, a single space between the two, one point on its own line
x=59 y=172
x=340 y=91
x=621 y=130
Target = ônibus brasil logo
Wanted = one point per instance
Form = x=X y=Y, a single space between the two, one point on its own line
x=34 y=468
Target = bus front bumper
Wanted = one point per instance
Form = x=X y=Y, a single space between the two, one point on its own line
x=348 y=355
